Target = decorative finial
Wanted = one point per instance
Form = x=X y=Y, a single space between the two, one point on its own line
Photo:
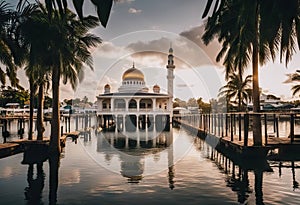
x=133 y=64
x=171 y=49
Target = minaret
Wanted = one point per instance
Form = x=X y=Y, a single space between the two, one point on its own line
x=170 y=78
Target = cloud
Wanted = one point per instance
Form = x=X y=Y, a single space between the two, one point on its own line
x=134 y=11
x=124 y=1
x=211 y=50
x=110 y=50
x=187 y=53
x=182 y=85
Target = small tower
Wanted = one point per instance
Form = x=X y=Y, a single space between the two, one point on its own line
x=170 y=78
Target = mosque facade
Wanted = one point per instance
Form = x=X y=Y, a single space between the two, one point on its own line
x=134 y=107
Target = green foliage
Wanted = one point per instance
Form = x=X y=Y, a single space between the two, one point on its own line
x=103 y=8
x=237 y=91
x=12 y=95
x=295 y=78
x=203 y=106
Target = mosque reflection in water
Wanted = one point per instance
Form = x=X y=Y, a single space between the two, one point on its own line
x=133 y=147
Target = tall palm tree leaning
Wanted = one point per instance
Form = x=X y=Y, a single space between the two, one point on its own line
x=237 y=89
x=259 y=29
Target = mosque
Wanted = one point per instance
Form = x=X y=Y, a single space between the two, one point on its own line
x=134 y=107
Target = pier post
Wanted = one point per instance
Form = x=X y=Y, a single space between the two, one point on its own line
x=292 y=129
x=234 y=123
x=222 y=125
x=240 y=127
x=61 y=130
x=76 y=123
x=69 y=120
x=66 y=124
x=226 y=124
x=274 y=123
x=246 y=129
x=277 y=127
x=231 y=127
x=215 y=124
x=219 y=123
x=266 y=128
x=208 y=123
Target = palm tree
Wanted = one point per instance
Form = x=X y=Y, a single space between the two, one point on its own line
x=66 y=42
x=27 y=33
x=237 y=89
x=295 y=77
x=103 y=8
x=254 y=30
x=69 y=51
x=8 y=55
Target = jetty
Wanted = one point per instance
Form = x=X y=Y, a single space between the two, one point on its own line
x=21 y=145
x=232 y=132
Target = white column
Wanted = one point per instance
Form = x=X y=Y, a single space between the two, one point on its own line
x=154 y=104
x=112 y=104
x=137 y=122
x=100 y=106
x=124 y=126
x=126 y=104
x=116 y=123
x=138 y=104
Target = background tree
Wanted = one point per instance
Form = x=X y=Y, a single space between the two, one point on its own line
x=205 y=107
x=14 y=95
x=238 y=90
x=295 y=78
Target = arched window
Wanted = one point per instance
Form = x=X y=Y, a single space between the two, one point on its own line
x=132 y=104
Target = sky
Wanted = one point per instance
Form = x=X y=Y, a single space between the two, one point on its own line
x=141 y=31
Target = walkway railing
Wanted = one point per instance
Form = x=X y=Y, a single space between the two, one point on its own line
x=238 y=126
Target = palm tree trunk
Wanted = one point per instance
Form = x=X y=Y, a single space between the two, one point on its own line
x=257 y=137
x=31 y=107
x=40 y=114
x=55 y=123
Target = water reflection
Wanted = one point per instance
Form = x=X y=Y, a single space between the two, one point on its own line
x=54 y=160
x=236 y=168
x=33 y=192
x=132 y=149
x=35 y=156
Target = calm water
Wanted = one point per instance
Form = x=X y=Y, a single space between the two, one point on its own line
x=116 y=169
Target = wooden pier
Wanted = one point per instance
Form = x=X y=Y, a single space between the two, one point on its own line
x=21 y=145
x=230 y=131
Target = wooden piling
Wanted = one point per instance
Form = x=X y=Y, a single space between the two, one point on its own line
x=292 y=129
x=246 y=129
x=266 y=129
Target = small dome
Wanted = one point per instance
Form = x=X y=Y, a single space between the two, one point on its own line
x=107 y=88
x=171 y=50
x=133 y=74
x=156 y=88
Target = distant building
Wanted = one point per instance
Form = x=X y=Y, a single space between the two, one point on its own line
x=269 y=102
